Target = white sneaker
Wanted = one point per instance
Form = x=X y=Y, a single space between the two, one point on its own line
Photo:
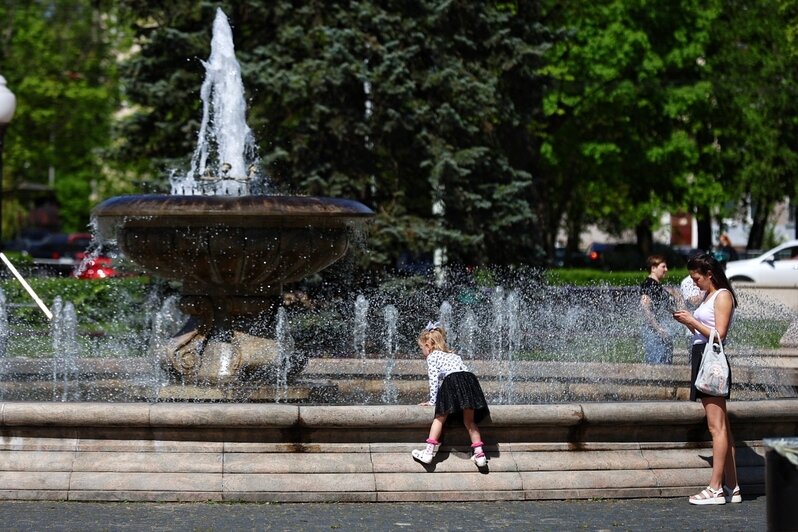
x=709 y=496
x=480 y=459
x=732 y=495
x=421 y=456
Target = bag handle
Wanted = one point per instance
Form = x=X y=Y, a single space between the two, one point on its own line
x=712 y=335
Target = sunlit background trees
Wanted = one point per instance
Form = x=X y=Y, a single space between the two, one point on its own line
x=494 y=130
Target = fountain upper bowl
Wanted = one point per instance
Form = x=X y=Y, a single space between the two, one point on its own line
x=235 y=211
x=232 y=244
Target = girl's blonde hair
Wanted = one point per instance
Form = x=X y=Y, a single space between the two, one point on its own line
x=435 y=338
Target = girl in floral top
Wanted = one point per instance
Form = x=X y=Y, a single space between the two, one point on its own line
x=454 y=391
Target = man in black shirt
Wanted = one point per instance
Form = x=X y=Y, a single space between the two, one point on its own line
x=658 y=305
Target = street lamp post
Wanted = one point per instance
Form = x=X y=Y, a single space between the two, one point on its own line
x=8 y=104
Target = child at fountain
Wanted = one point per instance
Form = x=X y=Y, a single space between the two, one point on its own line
x=454 y=391
x=716 y=312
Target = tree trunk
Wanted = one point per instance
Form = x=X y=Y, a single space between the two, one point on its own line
x=645 y=238
x=574 y=230
x=704 y=225
x=760 y=213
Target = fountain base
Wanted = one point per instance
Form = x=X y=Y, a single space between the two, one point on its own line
x=292 y=453
x=217 y=358
x=306 y=392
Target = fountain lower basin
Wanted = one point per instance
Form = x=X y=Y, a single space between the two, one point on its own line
x=358 y=381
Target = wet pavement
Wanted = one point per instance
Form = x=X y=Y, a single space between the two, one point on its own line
x=617 y=514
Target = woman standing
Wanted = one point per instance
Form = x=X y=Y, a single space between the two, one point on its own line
x=716 y=312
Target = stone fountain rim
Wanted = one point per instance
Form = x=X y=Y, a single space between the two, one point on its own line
x=261 y=206
x=632 y=413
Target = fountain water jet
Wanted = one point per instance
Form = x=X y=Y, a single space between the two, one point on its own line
x=361 y=324
x=390 y=395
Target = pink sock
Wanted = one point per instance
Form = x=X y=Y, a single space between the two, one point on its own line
x=431 y=445
x=477 y=447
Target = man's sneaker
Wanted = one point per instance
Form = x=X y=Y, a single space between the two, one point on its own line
x=709 y=496
x=480 y=459
x=422 y=456
x=732 y=495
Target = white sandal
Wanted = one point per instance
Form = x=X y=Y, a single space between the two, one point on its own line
x=732 y=495
x=709 y=495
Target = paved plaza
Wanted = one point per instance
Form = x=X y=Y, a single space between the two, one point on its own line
x=624 y=514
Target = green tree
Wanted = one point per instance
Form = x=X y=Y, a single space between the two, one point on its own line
x=59 y=59
x=401 y=105
x=623 y=143
x=754 y=110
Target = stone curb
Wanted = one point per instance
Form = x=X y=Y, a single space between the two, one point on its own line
x=175 y=415
x=289 y=453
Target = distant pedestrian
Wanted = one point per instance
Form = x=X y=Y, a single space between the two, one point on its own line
x=657 y=305
x=716 y=312
x=454 y=391
x=725 y=250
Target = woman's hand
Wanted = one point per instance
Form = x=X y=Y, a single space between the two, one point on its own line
x=685 y=318
x=425 y=403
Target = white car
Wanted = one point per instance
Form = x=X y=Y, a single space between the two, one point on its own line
x=777 y=267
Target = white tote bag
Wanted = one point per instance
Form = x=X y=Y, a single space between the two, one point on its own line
x=713 y=374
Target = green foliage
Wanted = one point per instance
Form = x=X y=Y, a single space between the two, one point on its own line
x=96 y=301
x=755 y=101
x=399 y=105
x=514 y=121
x=594 y=277
x=624 y=111
x=58 y=58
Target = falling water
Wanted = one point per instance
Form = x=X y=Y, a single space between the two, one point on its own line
x=390 y=395
x=361 y=324
x=225 y=160
x=4 y=332
x=468 y=333
x=497 y=332
x=512 y=315
x=64 y=325
x=285 y=347
x=55 y=338
x=445 y=319
x=165 y=323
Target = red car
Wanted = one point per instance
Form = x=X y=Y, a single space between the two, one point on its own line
x=95 y=268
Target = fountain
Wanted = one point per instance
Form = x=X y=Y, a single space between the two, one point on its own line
x=231 y=250
x=575 y=414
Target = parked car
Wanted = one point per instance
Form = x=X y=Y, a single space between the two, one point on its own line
x=775 y=267
x=60 y=246
x=27 y=239
x=595 y=253
x=627 y=256
x=565 y=259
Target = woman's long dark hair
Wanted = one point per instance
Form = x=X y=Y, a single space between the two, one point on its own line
x=705 y=263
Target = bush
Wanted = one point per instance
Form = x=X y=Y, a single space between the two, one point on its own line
x=592 y=277
x=95 y=300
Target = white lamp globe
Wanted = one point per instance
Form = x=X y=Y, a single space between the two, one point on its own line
x=8 y=102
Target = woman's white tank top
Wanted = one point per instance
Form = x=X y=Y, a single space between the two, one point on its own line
x=705 y=314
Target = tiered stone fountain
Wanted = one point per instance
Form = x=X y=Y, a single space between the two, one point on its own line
x=231 y=250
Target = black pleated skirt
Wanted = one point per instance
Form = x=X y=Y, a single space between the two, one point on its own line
x=696 y=354
x=458 y=391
